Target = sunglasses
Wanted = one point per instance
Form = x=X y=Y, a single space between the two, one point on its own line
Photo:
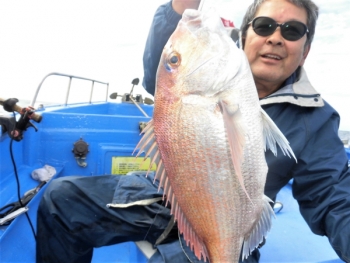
x=266 y=26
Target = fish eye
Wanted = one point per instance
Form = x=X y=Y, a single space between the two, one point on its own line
x=174 y=59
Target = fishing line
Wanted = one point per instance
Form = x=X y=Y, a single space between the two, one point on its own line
x=201 y=4
x=154 y=219
x=183 y=250
x=17 y=179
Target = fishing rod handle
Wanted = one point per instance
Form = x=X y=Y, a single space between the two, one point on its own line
x=14 y=107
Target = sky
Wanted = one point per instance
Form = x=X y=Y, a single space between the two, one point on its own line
x=104 y=40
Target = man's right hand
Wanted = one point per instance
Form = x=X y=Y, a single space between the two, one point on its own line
x=180 y=6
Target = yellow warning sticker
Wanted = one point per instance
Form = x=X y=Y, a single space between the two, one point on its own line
x=123 y=165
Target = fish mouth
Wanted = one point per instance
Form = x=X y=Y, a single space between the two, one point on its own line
x=272 y=56
x=190 y=14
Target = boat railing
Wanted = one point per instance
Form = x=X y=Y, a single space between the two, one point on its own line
x=93 y=81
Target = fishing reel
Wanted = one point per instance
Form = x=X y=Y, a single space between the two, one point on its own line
x=15 y=128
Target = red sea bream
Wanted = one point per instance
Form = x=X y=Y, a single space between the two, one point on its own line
x=208 y=136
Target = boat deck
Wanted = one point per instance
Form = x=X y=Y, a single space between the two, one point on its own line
x=290 y=239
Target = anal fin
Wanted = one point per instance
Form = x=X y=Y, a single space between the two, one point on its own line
x=259 y=231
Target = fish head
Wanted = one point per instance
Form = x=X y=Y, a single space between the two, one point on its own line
x=199 y=57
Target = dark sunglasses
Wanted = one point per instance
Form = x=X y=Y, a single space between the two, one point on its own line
x=266 y=26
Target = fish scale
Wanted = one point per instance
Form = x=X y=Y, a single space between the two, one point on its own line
x=210 y=134
x=208 y=168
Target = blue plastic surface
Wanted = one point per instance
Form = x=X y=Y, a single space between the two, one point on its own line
x=347 y=150
x=112 y=129
x=291 y=240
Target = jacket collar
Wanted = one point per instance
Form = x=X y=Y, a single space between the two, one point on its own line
x=297 y=90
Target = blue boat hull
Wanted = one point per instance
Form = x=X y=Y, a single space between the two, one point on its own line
x=111 y=131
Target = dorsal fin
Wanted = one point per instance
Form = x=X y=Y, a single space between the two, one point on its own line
x=190 y=236
x=149 y=145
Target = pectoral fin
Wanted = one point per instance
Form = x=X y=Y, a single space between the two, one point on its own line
x=236 y=136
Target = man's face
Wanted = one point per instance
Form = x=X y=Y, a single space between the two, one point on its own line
x=272 y=58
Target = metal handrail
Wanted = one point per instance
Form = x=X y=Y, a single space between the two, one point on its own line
x=69 y=85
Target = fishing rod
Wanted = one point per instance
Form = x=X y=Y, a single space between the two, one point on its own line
x=10 y=106
x=15 y=130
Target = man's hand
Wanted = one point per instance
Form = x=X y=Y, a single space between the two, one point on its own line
x=181 y=5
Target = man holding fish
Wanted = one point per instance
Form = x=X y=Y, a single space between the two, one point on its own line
x=276 y=39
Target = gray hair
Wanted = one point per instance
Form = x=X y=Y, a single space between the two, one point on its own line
x=311 y=11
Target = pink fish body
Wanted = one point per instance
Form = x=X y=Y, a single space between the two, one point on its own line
x=208 y=136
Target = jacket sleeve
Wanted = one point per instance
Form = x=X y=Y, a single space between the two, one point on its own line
x=322 y=180
x=164 y=23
